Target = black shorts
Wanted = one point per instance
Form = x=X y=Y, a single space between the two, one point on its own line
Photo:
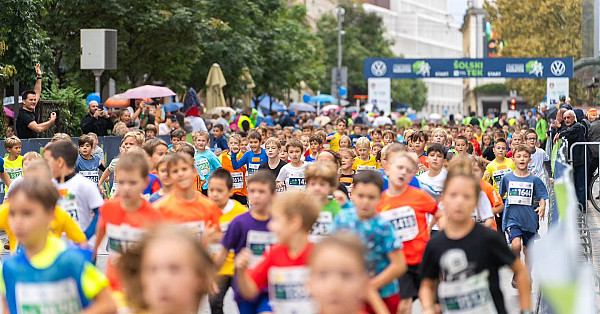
x=410 y=283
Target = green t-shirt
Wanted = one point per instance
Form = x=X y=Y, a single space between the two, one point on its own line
x=324 y=223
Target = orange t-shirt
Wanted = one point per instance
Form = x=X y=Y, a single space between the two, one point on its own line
x=238 y=176
x=492 y=195
x=123 y=229
x=407 y=214
x=197 y=214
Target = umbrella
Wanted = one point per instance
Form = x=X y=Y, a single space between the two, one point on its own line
x=323 y=98
x=148 y=91
x=435 y=116
x=301 y=107
x=221 y=110
x=330 y=107
x=116 y=101
x=264 y=102
x=214 y=87
x=9 y=113
x=246 y=78
x=171 y=107
x=191 y=99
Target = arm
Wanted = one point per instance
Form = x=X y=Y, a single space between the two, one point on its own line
x=440 y=217
x=103 y=303
x=375 y=301
x=248 y=288
x=523 y=284
x=5 y=178
x=396 y=268
x=427 y=294
x=498 y=209
x=237 y=164
x=489 y=223
x=221 y=257
x=41 y=127
x=92 y=227
x=541 y=209
x=105 y=176
x=38 y=82
x=100 y=233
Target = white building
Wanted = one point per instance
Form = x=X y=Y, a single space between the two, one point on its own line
x=425 y=29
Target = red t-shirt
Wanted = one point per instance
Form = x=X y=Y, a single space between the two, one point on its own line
x=407 y=213
x=123 y=229
x=277 y=256
x=197 y=213
x=476 y=147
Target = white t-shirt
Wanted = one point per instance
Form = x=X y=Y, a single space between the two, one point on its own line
x=293 y=177
x=197 y=124
x=433 y=185
x=79 y=196
x=536 y=165
x=14 y=183
x=484 y=208
x=163 y=129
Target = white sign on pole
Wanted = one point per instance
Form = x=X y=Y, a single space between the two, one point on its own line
x=555 y=88
x=380 y=94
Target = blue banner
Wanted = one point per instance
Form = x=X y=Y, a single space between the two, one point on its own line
x=532 y=68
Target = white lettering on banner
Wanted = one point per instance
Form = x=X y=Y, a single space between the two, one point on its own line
x=238 y=180
x=258 y=242
x=322 y=227
x=515 y=68
x=520 y=193
x=45 y=298
x=468 y=296
x=288 y=292
x=402 y=68
x=404 y=221
x=122 y=237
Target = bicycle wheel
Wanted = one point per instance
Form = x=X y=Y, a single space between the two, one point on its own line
x=594 y=191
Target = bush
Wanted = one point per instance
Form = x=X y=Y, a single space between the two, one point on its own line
x=70 y=106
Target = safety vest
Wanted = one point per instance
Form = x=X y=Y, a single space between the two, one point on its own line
x=242 y=119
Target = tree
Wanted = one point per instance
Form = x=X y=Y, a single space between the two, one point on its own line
x=536 y=29
x=363 y=38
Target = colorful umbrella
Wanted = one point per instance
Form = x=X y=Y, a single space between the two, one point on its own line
x=148 y=91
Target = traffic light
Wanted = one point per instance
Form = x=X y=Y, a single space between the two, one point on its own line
x=513 y=102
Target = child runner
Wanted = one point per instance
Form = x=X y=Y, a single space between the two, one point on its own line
x=521 y=218
x=334 y=138
x=375 y=149
x=168 y=272
x=47 y=276
x=364 y=160
x=163 y=176
x=87 y=163
x=96 y=149
x=284 y=266
x=220 y=189
x=346 y=173
x=273 y=164
x=177 y=138
x=240 y=189
x=316 y=146
x=291 y=176
x=13 y=163
x=188 y=149
x=461 y=144
x=469 y=132
x=389 y=137
x=497 y=169
x=384 y=257
x=249 y=230
x=466 y=256
x=394 y=147
x=345 y=142
x=539 y=159
x=131 y=139
x=205 y=161
x=406 y=207
x=305 y=140
x=321 y=182
x=432 y=181
x=27 y=159
x=253 y=158
x=78 y=196
x=156 y=149
x=218 y=142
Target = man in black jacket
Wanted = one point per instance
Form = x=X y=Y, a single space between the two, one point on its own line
x=576 y=133
x=97 y=121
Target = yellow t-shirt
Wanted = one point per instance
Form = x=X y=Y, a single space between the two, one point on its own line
x=231 y=210
x=360 y=165
x=61 y=224
x=14 y=168
x=334 y=144
x=498 y=170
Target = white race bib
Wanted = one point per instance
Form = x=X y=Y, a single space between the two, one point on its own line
x=121 y=237
x=14 y=173
x=258 y=242
x=238 y=180
x=499 y=174
x=203 y=166
x=91 y=175
x=322 y=227
x=469 y=296
x=197 y=227
x=252 y=168
x=362 y=168
x=404 y=221
x=69 y=204
x=295 y=181
x=520 y=193
x=288 y=292
x=52 y=297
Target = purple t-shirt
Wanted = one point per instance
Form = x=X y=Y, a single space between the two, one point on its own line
x=245 y=231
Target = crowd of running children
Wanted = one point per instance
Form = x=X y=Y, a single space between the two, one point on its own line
x=301 y=221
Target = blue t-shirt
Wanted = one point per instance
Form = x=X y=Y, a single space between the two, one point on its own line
x=218 y=145
x=520 y=193
x=153 y=181
x=377 y=235
x=1 y=165
x=414 y=182
x=88 y=167
x=206 y=163
x=250 y=159
x=155 y=197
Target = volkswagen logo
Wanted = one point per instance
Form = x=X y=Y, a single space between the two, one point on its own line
x=558 y=68
x=378 y=68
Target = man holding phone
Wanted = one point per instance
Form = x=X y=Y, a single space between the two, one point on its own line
x=26 y=125
x=97 y=121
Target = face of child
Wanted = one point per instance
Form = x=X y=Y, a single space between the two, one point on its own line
x=283 y=155
x=305 y=142
x=460 y=146
x=438 y=138
x=376 y=149
x=363 y=152
x=388 y=139
x=477 y=171
x=28 y=219
x=341 y=128
x=254 y=144
x=295 y=154
x=487 y=140
x=176 y=141
x=85 y=149
x=200 y=143
x=306 y=132
x=531 y=140
x=272 y=151
x=163 y=175
x=244 y=147
x=319 y=187
x=522 y=159
x=516 y=141
x=376 y=137
x=357 y=130
x=260 y=195
x=345 y=143
x=150 y=133
x=400 y=171
x=182 y=175
x=454 y=132
x=126 y=117
x=347 y=161
x=170 y=282
x=315 y=147
x=131 y=184
x=435 y=160
x=419 y=145
x=459 y=198
x=219 y=192
x=283 y=226
x=365 y=197
x=130 y=142
x=159 y=152
x=500 y=149
x=338 y=287
x=217 y=133
x=469 y=133
x=15 y=150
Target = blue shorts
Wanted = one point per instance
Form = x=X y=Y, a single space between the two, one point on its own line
x=516 y=232
x=260 y=305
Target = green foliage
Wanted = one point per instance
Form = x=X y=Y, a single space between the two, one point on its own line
x=409 y=92
x=70 y=107
x=491 y=89
x=535 y=29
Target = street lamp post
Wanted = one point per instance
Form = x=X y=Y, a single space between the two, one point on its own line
x=340 y=14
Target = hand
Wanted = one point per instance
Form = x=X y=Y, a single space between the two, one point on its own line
x=53 y=116
x=340 y=197
x=552 y=180
x=97 y=113
x=540 y=211
x=486 y=176
x=212 y=235
x=38 y=70
x=102 y=191
x=214 y=289
x=242 y=260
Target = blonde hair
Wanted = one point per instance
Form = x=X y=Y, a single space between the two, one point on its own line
x=273 y=141
x=32 y=156
x=298 y=203
x=323 y=171
x=235 y=137
x=363 y=142
x=348 y=151
x=60 y=137
x=138 y=137
x=392 y=148
x=12 y=142
x=410 y=156
x=439 y=130
x=345 y=240
x=345 y=138
x=198 y=134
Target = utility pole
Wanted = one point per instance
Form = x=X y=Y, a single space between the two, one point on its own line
x=340 y=14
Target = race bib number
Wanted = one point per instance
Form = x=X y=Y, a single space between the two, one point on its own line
x=404 y=221
x=520 y=193
x=258 y=242
x=69 y=204
x=322 y=227
x=203 y=166
x=53 y=297
x=469 y=296
x=252 y=168
x=122 y=237
x=499 y=174
x=362 y=168
x=197 y=227
x=288 y=292
x=295 y=181
x=14 y=173
x=91 y=175
x=238 y=180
